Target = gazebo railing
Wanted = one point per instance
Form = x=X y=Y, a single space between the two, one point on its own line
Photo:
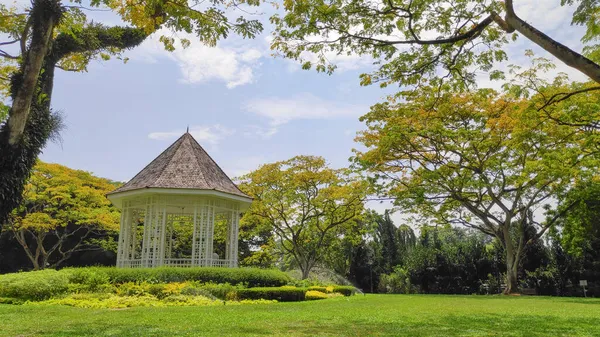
x=180 y=262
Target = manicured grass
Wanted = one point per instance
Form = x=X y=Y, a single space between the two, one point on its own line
x=371 y=315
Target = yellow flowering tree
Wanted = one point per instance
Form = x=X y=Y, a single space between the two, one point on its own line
x=306 y=204
x=62 y=209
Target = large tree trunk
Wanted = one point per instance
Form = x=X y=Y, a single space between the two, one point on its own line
x=512 y=262
x=45 y=15
x=305 y=272
x=512 y=285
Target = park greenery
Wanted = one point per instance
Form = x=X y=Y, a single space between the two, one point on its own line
x=307 y=205
x=499 y=187
x=63 y=211
x=371 y=315
x=95 y=287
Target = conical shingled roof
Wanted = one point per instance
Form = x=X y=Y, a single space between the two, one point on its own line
x=184 y=164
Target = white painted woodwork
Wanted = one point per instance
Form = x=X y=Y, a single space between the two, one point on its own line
x=147 y=229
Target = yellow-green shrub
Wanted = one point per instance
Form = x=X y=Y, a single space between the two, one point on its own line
x=315 y=295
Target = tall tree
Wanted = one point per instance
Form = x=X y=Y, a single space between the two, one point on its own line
x=306 y=204
x=405 y=241
x=426 y=41
x=483 y=160
x=385 y=238
x=52 y=34
x=62 y=209
x=580 y=225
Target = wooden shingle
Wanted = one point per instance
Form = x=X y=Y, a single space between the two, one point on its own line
x=184 y=164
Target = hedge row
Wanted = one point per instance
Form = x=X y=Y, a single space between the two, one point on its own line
x=284 y=294
x=44 y=284
x=345 y=290
x=251 y=277
x=34 y=286
x=223 y=283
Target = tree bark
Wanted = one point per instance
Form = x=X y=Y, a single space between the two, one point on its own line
x=512 y=263
x=45 y=17
x=560 y=51
x=305 y=272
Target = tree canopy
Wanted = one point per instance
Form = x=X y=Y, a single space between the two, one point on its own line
x=306 y=204
x=62 y=209
x=426 y=41
x=481 y=159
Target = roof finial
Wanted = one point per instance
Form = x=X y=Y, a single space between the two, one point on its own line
x=188 y=129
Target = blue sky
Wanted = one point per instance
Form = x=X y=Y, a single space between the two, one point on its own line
x=244 y=107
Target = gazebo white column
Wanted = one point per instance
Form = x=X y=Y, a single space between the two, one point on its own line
x=232 y=238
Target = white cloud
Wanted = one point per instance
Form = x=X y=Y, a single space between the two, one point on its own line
x=252 y=131
x=231 y=62
x=280 y=111
x=203 y=134
x=301 y=106
x=200 y=63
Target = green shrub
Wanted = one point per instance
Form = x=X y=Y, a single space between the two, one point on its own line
x=11 y=300
x=223 y=291
x=133 y=289
x=34 y=286
x=252 y=277
x=318 y=288
x=315 y=295
x=280 y=294
x=88 y=279
x=344 y=290
x=397 y=282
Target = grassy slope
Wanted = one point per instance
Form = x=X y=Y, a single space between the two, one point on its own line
x=369 y=315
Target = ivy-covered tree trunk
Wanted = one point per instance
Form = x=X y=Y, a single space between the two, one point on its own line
x=45 y=16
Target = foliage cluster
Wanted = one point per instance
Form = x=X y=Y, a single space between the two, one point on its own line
x=251 y=277
x=281 y=294
x=63 y=211
x=34 y=286
x=98 y=287
x=112 y=301
x=39 y=285
x=315 y=295
x=459 y=261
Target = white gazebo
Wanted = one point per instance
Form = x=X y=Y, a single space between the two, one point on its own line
x=183 y=189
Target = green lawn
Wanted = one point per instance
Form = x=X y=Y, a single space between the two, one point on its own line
x=371 y=315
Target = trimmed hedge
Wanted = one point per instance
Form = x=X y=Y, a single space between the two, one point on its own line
x=33 y=286
x=315 y=295
x=322 y=289
x=251 y=277
x=344 y=290
x=282 y=294
x=44 y=284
